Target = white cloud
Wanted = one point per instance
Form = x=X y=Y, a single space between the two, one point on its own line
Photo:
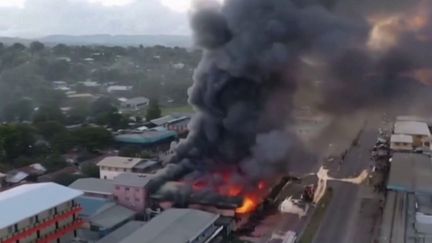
x=111 y=3
x=12 y=3
x=178 y=5
x=37 y=18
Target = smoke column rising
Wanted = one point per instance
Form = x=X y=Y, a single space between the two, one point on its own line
x=254 y=54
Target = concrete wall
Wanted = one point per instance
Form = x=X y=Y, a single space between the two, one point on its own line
x=131 y=197
x=109 y=173
x=401 y=146
x=41 y=217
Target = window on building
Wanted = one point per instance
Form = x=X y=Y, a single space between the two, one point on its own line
x=127 y=188
x=137 y=199
x=117 y=187
x=10 y=229
x=127 y=198
x=137 y=189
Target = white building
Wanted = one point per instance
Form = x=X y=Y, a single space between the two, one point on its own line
x=400 y=142
x=419 y=131
x=135 y=104
x=118 y=88
x=111 y=167
x=43 y=212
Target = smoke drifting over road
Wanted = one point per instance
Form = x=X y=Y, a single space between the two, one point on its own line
x=256 y=52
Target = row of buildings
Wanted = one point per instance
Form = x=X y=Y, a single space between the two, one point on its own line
x=115 y=208
x=407 y=215
x=47 y=212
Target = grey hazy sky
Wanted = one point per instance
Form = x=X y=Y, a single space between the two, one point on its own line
x=36 y=18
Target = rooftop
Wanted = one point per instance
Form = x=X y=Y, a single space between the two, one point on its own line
x=93 y=185
x=29 y=200
x=146 y=164
x=411 y=128
x=84 y=95
x=112 y=217
x=400 y=138
x=169 y=119
x=122 y=232
x=424 y=203
x=145 y=137
x=131 y=179
x=410 y=173
x=119 y=162
x=137 y=100
x=92 y=206
x=16 y=176
x=173 y=226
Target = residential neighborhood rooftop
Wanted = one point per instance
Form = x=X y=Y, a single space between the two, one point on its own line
x=169 y=118
x=410 y=173
x=122 y=232
x=132 y=179
x=146 y=137
x=93 y=185
x=112 y=216
x=400 y=138
x=411 y=128
x=119 y=162
x=173 y=225
x=28 y=200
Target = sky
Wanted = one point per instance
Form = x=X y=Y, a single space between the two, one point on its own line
x=37 y=18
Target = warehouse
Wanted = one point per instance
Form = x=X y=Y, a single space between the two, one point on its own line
x=179 y=226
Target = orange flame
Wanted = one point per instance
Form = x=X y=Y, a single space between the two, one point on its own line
x=249 y=205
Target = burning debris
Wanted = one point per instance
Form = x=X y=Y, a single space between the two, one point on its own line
x=255 y=56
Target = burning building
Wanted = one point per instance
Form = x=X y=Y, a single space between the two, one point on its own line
x=256 y=53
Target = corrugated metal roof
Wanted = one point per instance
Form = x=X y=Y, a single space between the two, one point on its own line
x=94 y=185
x=122 y=232
x=173 y=226
x=145 y=137
x=399 y=138
x=119 y=162
x=410 y=173
x=92 y=206
x=112 y=216
x=411 y=128
x=29 y=200
x=131 y=179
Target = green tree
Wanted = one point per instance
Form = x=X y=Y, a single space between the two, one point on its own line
x=57 y=70
x=36 y=47
x=77 y=115
x=113 y=120
x=48 y=113
x=90 y=170
x=102 y=105
x=48 y=129
x=20 y=110
x=92 y=138
x=55 y=162
x=61 y=50
x=66 y=179
x=153 y=110
x=63 y=142
x=16 y=140
x=18 y=47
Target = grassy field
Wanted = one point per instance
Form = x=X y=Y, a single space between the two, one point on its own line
x=178 y=109
x=315 y=221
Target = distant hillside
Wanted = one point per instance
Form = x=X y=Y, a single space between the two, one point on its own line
x=109 y=40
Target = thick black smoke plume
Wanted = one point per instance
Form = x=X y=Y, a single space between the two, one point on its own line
x=255 y=54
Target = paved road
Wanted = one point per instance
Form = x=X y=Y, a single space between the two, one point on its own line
x=339 y=220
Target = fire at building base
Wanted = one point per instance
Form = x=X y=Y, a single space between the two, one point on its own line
x=220 y=192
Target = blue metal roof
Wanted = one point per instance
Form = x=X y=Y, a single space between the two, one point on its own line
x=146 y=137
x=92 y=206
